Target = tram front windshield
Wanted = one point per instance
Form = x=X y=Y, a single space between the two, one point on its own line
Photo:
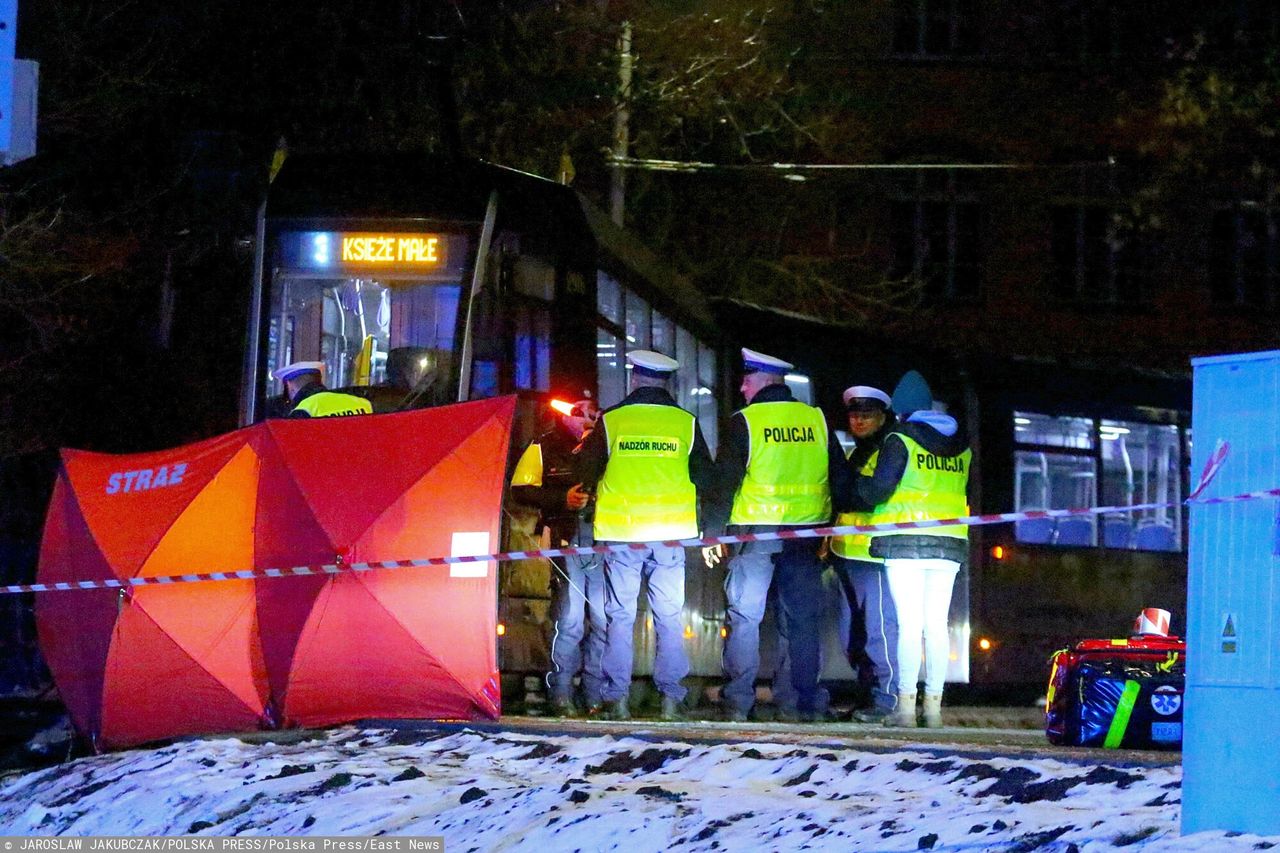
x=380 y=310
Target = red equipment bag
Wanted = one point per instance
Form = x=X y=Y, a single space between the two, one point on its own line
x=1118 y=693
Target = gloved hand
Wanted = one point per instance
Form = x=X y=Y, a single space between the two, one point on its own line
x=712 y=554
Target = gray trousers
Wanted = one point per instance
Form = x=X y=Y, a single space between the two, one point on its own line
x=663 y=569
x=799 y=578
x=873 y=643
x=577 y=608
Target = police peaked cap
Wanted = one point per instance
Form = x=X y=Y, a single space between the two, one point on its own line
x=293 y=371
x=861 y=396
x=758 y=362
x=653 y=364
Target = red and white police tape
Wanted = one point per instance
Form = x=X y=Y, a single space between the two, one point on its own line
x=1212 y=466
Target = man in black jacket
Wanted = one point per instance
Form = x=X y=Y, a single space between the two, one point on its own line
x=544 y=480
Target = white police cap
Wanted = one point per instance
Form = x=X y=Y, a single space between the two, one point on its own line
x=649 y=363
x=865 y=392
x=293 y=371
x=758 y=362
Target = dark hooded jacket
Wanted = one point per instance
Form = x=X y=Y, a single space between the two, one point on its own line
x=939 y=434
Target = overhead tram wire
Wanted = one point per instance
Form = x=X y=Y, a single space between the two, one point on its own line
x=794 y=171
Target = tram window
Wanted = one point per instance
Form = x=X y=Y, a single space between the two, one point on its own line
x=1141 y=464
x=637 y=322
x=609 y=298
x=687 y=385
x=664 y=335
x=611 y=374
x=707 y=412
x=1046 y=480
x=800 y=387
x=533 y=346
x=353 y=324
x=1031 y=428
x=694 y=385
x=1136 y=463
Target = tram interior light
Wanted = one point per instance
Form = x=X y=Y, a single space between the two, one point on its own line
x=984 y=644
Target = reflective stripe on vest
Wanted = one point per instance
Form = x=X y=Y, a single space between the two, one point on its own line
x=333 y=404
x=786 y=478
x=645 y=494
x=932 y=486
x=857 y=546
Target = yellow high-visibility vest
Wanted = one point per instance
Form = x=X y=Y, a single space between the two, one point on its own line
x=645 y=494
x=932 y=486
x=333 y=404
x=786 y=478
x=528 y=470
x=856 y=546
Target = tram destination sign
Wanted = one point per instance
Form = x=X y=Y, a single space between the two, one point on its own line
x=367 y=250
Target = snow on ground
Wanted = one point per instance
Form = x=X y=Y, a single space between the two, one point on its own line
x=506 y=791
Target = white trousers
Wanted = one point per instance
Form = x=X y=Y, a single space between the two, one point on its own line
x=922 y=595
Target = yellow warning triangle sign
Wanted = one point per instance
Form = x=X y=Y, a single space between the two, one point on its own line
x=1229 y=630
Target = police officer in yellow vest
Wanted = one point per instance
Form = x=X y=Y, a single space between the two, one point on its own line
x=308 y=398
x=922 y=472
x=873 y=623
x=646 y=462
x=777 y=461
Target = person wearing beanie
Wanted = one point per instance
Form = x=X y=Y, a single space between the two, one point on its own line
x=922 y=472
x=873 y=634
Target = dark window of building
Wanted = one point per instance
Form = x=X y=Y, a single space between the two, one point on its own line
x=935 y=234
x=936 y=28
x=1096 y=257
x=1245 y=257
x=1102 y=30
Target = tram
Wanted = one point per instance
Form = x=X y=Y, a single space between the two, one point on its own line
x=421 y=281
x=424 y=281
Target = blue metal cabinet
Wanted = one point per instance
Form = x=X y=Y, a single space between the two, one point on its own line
x=1231 y=745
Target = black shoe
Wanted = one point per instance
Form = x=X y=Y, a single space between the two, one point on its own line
x=875 y=714
x=733 y=715
x=787 y=715
x=616 y=710
x=564 y=708
x=671 y=709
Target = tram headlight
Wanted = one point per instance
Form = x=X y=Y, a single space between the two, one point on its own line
x=985 y=644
